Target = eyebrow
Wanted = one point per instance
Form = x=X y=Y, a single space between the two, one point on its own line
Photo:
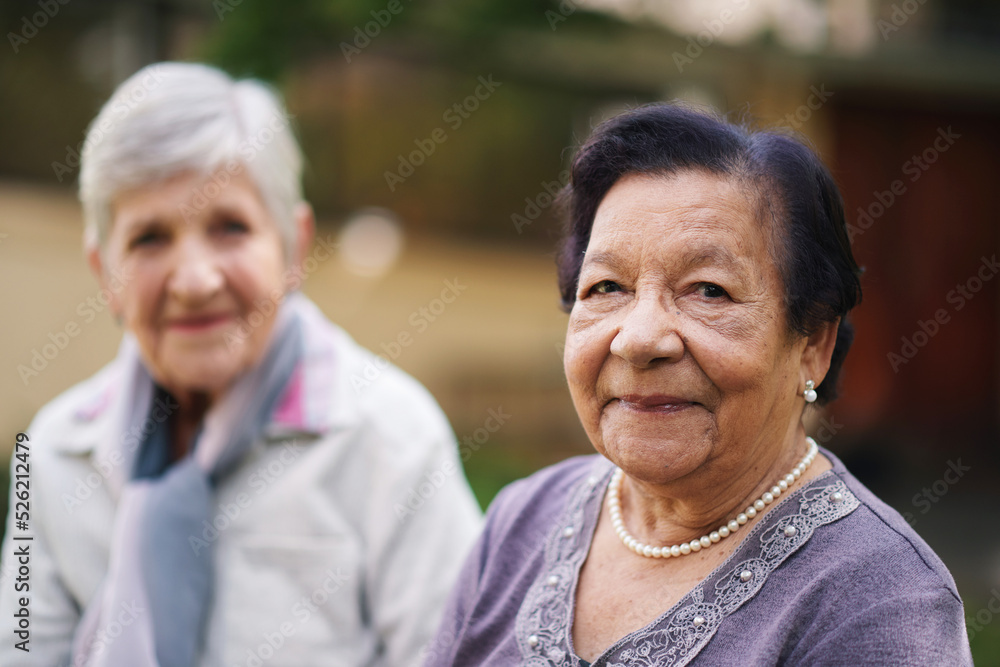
x=226 y=210
x=142 y=223
x=714 y=255
x=604 y=257
x=691 y=258
x=221 y=211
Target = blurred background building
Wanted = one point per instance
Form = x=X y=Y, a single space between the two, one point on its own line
x=436 y=133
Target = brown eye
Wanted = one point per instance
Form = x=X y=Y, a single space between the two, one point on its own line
x=712 y=291
x=233 y=227
x=606 y=287
x=148 y=239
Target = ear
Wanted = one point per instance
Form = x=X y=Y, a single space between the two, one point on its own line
x=816 y=355
x=305 y=231
x=96 y=264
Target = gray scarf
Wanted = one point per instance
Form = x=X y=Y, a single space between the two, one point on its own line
x=155 y=568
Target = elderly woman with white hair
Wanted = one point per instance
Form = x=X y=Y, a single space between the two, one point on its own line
x=251 y=503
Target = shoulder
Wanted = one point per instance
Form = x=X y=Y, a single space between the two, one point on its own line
x=526 y=509
x=380 y=433
x=519 y=523
x=70 y=421
x=359 y=390
x=875 y=592
x=869 y=579
x=876 y=540
x=862 y=588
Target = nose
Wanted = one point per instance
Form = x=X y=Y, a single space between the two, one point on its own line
x=196 y=275
x=648 y=333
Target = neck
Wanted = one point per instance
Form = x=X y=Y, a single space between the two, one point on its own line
x=185 y=422
x=689 y=508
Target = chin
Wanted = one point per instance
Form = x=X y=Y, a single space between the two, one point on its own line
x=209 y=373
x=654 y=459
x=653 y=447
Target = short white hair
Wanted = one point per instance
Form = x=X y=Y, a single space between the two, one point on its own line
x=172 y=117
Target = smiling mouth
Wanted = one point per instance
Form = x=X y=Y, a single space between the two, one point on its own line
x=655 y=403
x=199 y=323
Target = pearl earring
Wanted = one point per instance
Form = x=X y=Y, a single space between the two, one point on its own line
x=810 y=392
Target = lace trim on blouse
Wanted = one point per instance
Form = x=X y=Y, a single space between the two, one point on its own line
x=543 y=625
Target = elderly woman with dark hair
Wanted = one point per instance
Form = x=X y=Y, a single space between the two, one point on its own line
x=708 y=276
x=243 y=498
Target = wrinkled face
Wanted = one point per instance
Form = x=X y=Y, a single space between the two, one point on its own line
x=677 y=350
x=198 y=278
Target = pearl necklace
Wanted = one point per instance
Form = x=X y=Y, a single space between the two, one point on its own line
x=724 y=531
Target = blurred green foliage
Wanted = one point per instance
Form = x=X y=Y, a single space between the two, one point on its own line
x=985 y=642
x=496 y=465
x=265 y=39
x=424 y=57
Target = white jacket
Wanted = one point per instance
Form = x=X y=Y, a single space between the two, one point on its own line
x=336 y=540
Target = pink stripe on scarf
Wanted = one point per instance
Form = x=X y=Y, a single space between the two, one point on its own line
x=290 y=410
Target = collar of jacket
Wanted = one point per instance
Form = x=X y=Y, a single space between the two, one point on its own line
x=307 y=409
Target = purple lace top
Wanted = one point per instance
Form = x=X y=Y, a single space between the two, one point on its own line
x=853 y=584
